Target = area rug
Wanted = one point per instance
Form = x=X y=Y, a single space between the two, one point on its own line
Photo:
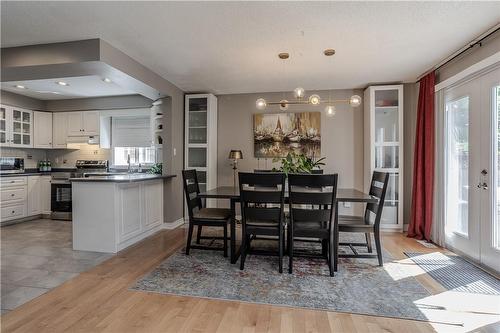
x=455 y=273
x=360 y=285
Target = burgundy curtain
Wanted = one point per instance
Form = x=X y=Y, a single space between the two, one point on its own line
x=423 y=165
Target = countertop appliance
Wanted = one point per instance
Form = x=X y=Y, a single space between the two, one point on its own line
x=61 y=200
x=11 y=165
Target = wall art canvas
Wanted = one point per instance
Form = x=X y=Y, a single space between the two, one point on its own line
x=277 y=134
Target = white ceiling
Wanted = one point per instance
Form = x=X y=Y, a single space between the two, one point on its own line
x=231 y=47
x=78 y=87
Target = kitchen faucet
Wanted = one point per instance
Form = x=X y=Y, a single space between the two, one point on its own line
x=129 y=170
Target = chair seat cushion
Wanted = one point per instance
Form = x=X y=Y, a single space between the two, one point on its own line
x=350 y=219
x=213 y=214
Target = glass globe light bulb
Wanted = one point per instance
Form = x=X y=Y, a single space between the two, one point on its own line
x=261 y=104
x=355 y=100
x=330 y=111
x=314 y=99
x=284 y=105
x=299 y=93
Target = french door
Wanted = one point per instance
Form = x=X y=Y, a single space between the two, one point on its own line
x=471 y=168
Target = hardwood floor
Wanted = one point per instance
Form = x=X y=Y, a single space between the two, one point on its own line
x=99 y=301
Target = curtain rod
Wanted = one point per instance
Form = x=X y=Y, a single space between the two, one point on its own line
x=476 y=41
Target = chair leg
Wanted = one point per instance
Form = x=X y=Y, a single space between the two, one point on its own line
x=243 y=251
x=379 y=247
x=331 y=256
x=290 y=249
x=324 y=248
x=281 y=249
x=225 y=240
x=190 y=235
x=369 y=242
x=198 y=234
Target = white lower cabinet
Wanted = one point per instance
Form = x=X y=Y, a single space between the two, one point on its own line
x=45 y=190
x=108 y=217
x=34 y=195
x=24 y=196
x=14 y=203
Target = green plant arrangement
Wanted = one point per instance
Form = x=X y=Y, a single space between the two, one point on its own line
x=295 y=163
x=156 y=169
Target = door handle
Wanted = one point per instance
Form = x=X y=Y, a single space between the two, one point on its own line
x=482 y=185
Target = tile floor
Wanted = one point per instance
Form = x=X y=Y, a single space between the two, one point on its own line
x=37 y=256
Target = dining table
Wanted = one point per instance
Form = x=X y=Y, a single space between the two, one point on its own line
x=232 y=193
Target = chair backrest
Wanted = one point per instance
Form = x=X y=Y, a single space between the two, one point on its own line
x=191 y=189
x=262 y=196
x=312 y=197
x=378 y=188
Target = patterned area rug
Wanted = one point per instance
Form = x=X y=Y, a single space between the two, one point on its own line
x=360 y=285
x=455 y=273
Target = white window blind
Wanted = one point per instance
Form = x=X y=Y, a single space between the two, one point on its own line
x=131 y=132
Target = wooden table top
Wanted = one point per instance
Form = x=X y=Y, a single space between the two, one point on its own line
x=343 y=194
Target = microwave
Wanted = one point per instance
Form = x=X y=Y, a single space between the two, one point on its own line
x=11 y=165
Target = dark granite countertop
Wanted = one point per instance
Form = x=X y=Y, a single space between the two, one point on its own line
x=122 y=178
x=35 y=172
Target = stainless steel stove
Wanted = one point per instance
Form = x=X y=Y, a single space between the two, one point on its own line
x=61 y=200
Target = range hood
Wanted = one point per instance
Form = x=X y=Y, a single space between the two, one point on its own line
x=88 y=139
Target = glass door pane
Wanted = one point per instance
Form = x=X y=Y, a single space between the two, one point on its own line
x=457 y=164
x=3 y=125
x=496 y=170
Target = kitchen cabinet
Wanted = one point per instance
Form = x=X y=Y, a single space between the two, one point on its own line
x=108 y=216
x=13 y=193
x=60 y=130
x=34 y=195
x=83 y=123
x=42 y=127
x=45 y=193
x=16 y=127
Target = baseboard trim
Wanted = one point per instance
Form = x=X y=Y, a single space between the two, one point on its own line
x=172 y=225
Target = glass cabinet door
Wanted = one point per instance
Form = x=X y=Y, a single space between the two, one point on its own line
x=197 y=120
x=21 y=127
x=3 y=126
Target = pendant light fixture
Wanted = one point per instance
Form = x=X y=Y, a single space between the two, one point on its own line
x=300 y=98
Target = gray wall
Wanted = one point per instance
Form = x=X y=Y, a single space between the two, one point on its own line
x=98 y=103
x=9 y=98
x=489 y=47
x=341 y=142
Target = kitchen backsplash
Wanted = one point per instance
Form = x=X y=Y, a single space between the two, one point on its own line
x=31 y=156
x=66 y=158
x=60 y=158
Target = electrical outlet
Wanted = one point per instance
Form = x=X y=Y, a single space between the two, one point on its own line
x=347 y=205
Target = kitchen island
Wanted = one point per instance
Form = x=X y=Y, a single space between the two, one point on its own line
x=112 y=212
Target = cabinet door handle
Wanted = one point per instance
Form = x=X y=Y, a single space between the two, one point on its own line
x=12 y=195
x=13 y=211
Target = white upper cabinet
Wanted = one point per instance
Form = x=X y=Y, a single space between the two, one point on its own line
x=16 y=127
x=42 y=129
x=90 y=122
x=59 y=129
x=83 y=123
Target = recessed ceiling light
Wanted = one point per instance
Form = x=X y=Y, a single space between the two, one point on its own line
x=107 y=80
x=329 y=52
x=20 y=86
x=62 y=83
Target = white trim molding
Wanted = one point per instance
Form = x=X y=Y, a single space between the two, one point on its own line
x=478 y=66
x=174 y=224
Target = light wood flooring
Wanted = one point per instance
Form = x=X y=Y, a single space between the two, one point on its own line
x=99 y=300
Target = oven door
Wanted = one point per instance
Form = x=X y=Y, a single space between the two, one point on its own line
x=61 y=203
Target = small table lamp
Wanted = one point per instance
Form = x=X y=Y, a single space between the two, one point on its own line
x=235 y=155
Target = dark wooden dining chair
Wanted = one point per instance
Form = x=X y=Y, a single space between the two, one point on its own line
x=369 y=223
x=312 y=209
x=201 y=216
x=262 y=198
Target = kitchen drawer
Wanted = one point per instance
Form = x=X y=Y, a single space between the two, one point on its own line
x=13 y=212
x=13 y=181
x=12 y=194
